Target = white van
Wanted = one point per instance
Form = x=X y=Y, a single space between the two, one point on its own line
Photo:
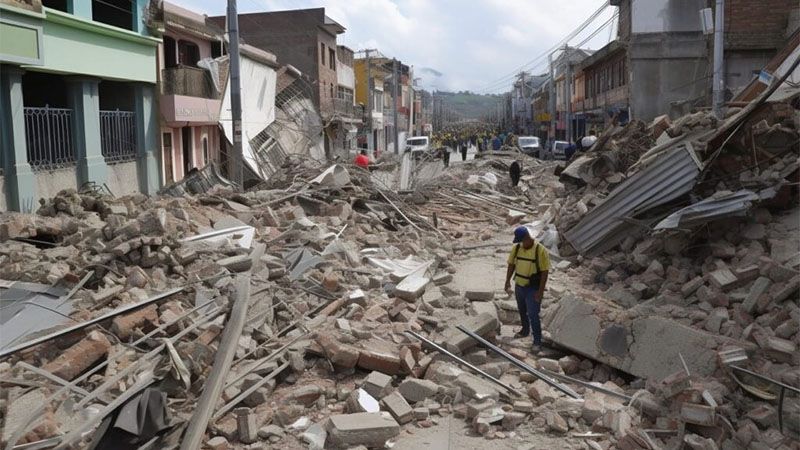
x=418 y=145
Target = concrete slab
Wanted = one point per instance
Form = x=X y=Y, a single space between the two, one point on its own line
x=646 y=347
x=456 y=341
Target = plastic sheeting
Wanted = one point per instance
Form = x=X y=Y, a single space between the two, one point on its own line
x=400 y=268
x=333 y=176
x=258 y=106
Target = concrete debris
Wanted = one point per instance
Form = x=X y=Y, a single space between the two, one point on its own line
x=367 y=429
x=648 y=324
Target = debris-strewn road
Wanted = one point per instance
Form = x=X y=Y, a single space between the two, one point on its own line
x=296 y=314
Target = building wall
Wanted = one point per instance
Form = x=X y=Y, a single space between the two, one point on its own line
x=757 y=24
x=345 y=76
x=666 y=69
x=754 y=31
x=3 y=204
x=120 y=176
x=292 y=36
x=656 y=16
x=203 y=45
x=210 y=132
x=326 y=86
x=92 y=55
x=50 y=182
x=73 y=45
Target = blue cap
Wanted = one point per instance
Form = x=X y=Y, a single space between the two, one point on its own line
x=520 y=233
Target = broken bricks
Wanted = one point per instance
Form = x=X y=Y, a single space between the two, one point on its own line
x=73 y=361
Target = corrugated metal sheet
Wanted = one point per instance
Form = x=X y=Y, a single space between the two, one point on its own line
x=671 y=175
x=729 y=204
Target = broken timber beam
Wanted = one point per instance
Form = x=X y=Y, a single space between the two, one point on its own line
x=215 y=382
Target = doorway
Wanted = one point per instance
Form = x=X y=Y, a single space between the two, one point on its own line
x=186 y=145
x=166 y=155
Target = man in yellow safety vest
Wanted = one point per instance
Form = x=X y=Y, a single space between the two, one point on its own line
x=529 y=262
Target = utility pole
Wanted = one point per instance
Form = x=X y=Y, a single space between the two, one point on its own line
x=370 y=144
x=395 y=85
x=568 y=95
x=552 y=101
x=718 y=88
x=237 y=172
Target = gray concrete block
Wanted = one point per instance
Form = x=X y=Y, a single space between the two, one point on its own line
x=368 y=429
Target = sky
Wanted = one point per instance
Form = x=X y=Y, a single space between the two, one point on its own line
x=453 y=45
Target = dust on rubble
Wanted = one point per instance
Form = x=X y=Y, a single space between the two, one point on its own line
x=278 y=316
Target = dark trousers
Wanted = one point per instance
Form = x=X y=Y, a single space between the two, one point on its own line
x=529 y=311
x=464 y=153
x=446 y=158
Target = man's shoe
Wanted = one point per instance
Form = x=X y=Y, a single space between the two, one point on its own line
x=522 y=334
x=537 y=349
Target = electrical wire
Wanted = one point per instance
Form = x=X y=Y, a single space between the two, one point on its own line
x=555 y=47
x=597 y=31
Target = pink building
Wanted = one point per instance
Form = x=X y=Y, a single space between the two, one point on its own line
x=191 y=95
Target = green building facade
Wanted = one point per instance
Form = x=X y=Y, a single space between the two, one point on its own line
x=77 y=98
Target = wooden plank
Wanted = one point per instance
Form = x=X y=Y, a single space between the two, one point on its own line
x=223 y=359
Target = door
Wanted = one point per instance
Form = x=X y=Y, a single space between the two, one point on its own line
x=166 y=156
x=186 y=143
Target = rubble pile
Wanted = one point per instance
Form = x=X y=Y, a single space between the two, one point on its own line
x=721 y=262
x=322 y=309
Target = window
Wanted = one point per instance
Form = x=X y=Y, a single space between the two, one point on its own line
x=170 y=57
x=216 y=49
x=345 y=94
x=60 y=5
x=188 y=53
x=331 y=90
x=332 y=58
x=118 y=13
x=205 y=150
x=322 y=53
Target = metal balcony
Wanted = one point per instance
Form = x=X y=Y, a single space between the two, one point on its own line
x=188 y=81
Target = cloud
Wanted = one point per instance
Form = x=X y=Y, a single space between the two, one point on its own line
x=472 y=43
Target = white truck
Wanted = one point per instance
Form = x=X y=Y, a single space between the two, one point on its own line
x=418 y=146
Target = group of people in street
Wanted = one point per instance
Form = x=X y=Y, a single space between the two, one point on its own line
x=460 y=137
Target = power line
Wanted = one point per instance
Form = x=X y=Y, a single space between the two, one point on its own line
x=570 y=36
x=594 y=33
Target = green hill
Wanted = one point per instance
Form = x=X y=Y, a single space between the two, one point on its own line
x=469 y=105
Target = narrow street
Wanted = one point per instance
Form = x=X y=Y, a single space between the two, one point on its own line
x=228 y=225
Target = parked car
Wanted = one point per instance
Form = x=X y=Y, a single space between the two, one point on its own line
x=559 y=150
x=418 y=146
x=530 y=145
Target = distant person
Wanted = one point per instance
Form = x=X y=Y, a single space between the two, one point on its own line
x=515 y=171
x=464 y=147
x=569 y=151
x=362 y=160
x=445 y=150
x=496 y=143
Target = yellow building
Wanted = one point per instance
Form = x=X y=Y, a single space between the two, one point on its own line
x=379 y=73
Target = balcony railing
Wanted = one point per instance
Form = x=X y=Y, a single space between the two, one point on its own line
x=188 y=81
x=344 y=107
x=48 y=134
x=118 y=135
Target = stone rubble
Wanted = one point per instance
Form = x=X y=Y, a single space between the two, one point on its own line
x=324 y=360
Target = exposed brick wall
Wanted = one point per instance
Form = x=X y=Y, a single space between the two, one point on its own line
x=294 y=37
x=757 y=24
